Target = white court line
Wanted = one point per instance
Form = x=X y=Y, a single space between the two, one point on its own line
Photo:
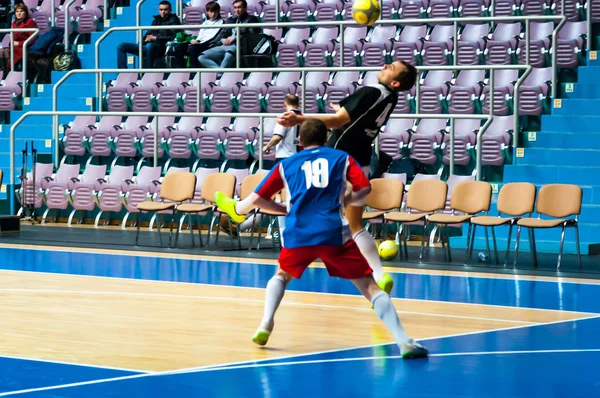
x=73 y=364
x=272 y=262
x=256 y=363
x=234 y=299
x=290 y=290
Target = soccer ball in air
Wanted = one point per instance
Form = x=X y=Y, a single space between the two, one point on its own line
x=366 y=12
x=387 y=250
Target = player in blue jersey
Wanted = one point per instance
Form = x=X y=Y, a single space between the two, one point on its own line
x=316 y=227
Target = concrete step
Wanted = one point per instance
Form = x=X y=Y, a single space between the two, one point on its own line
x=568 y=123
x=576 y=107
x=560 y=157
x=566 y=140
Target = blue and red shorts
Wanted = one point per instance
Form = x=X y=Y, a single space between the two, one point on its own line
x=345 y=261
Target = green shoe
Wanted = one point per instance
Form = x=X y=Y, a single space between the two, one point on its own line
x=386 y=283
x=227 y=206
x=261 y=337
x=412 y=350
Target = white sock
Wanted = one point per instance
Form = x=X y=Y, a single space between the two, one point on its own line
x=273 y=295
x=244 y=206
x=367 y=247
x=385 y=310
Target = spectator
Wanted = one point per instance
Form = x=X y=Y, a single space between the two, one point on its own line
x=223 y=56
x=155 y=41
x=22 y=21
x=206 y=38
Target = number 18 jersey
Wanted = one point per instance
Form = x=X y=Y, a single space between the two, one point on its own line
x=315 y=183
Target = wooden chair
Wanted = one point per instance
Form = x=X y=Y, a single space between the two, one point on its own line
x=558 y=201
x=468 y=198
x=176 y=187
x=386 y=195
x=424 y=196
x=223 y=182
x=515 y=199
x=271 y=216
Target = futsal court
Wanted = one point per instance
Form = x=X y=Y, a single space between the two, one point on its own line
x=99 y=323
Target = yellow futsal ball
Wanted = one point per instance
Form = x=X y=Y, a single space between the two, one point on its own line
x=387 y=250
x=366 y=12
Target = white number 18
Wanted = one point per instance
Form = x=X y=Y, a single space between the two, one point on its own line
x=316 y=173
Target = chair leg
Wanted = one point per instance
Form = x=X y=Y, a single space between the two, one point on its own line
x=535 y=262
x=199 y=230
x=210 y=226
x=137 y=235
x=405 y=229
x=472 y=244
x=562 y=242
x=423 y=240
x=259 y=235
x=510 y=228
x=487 y=242
x=191 y=224
x=255 y=216
x=218 y=219
x=577 y=242
x=495 y=245
x=179 y=226
x=517 y=246
x=158 y=227
x=171 y=229
x=447 y=237
x=468 y=244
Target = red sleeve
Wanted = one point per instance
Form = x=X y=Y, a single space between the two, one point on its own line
x=355 y=175
x=272 y=184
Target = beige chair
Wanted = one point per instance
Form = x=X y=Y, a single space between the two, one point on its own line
x=386 y=195
x=272 y=217
x=515 y=200
x=176 y=187
x=223 y=182
x=559 y=201
x=469 y=198
x=424 y=196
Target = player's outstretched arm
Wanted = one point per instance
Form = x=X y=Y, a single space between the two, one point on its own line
x=340 y=118
x=267 y=204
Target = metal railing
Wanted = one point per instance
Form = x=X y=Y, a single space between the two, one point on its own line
x=11 y=31
x=261 y=116
x=67 y=5
x=340 y=24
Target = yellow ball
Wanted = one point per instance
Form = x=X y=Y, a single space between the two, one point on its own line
x=387 y=250
x=366 y=12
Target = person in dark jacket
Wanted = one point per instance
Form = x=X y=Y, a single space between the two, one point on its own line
x=22 y=21
x=155 y=41
x=223 y=56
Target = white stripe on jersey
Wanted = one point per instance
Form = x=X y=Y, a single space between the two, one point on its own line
x=384 y=93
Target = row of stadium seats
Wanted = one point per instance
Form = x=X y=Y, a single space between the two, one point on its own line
x=84 y=17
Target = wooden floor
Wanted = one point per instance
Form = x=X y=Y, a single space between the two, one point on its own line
x=158 y=326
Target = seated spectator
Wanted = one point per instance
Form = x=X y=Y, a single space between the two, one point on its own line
x=206 y=38
x=223 y=56
x=22 y=21
x=155 y=41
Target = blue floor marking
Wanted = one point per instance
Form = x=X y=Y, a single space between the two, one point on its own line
x=490 y=291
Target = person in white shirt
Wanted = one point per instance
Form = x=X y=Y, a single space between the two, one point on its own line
x=285 y=140
x=206 y=38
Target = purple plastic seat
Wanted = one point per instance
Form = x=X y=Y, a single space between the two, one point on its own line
x=570 y=44
x=267 y=14
x=496 y=141
x=533 y=7
x=378 y=45
x=328 y=10
x=409 y=44
x=11 y=90
x=433 y=90
x=107 y=193
x=342 y=85
x=81 y=197
x=438 y=49
x=169 y=92
x=206 y=145
x=75 y=135
x=277 y=33
x=124 y=138
x=239 y=174
x=396 y=137
x=595 y=11
x=300 y=10
x=248 y=98
x=89 y=16
x=316 y=83
x=141 y=98
x=59 y=15
x=465 y=138
x=533 y=94
x=201 y=174
x=189 y=94
x=147 y=139
x=353 y=44
x=193 y=12
x=471 y=44
x=321 y=44
x=285 y=83
x=412 y=9
x=30 y=191
x=42 y=15
x=249 y=126
x=507 y=8
x=56 y=188
x=442 y=8
x=473 y=8
x=235 y=145
x=98 y=143
x=221 y=95
x=574 y=9
x=269 y=127
x=539 y=44
x=177 y=144
x=118 y=89
x=465 y=91
x=502 y=47
x=139 y=189
x=292 y=46
x=191 y=125
x=504 y=83
x=427 y=140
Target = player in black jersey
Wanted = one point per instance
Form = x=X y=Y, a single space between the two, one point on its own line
x=356 y=123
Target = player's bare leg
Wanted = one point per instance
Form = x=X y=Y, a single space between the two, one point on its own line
x=367 y=247
x=273 y=296
x=387 y=313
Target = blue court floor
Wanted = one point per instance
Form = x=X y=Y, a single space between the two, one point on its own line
x=557 y=359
